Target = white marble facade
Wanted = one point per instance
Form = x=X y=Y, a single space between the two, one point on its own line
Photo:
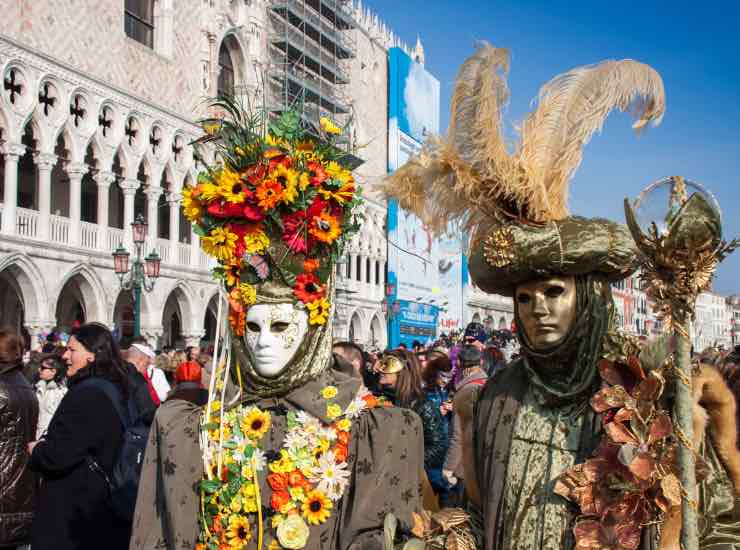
x=95 y=129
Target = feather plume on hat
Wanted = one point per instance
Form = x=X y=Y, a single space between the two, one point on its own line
x=473 y=178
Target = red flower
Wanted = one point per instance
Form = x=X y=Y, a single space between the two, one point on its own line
x=241 y=229
x=254 y=174
x=308 y=288
x=252 y=213
x=222 y=209
x=277 y=482
x=316 y=173
x=343 y=437
x=297 y=479
x=294 y=232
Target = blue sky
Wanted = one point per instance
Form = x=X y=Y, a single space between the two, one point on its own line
x=695 y=47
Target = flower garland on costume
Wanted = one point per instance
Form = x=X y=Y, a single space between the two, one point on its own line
x=633 y=478
x=307 y=478
x=273 y=183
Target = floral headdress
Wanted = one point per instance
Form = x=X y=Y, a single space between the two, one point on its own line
x=275 y=209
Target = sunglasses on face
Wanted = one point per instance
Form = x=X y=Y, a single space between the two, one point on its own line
x=44 y=367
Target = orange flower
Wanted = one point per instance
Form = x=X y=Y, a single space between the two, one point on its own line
x=325 y=227
x=279 y=499
x=310 y=265
x=317 y=173
x=297 y=479
x=277 y=482
x=307 y=288
x=237 y=320
x=268 y=194
x=370 y=400
x=217 y=527
x=340 y=452
x=343 y=438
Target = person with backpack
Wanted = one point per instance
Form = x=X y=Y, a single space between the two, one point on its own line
x=77 y=457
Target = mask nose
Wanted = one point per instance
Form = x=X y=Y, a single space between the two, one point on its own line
x=539 y=307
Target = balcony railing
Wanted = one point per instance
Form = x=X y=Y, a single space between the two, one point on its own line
x=59 y=229
x=88 y=235
x=27 y=223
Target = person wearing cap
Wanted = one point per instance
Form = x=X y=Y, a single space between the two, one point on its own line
x=467 y=390
x=142 y=357
x=188 y=384
x=51 y=388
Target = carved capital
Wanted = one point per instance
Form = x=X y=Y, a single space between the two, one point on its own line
x=12 y=151
x=75 y=170
x=129 y=186
x=45 y=161
x=153 y=192
x=105 y=179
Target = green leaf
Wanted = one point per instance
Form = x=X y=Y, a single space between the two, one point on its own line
x=210 y=486
x=292 y=420
x=211 y=426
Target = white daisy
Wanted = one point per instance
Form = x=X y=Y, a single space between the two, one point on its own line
x=295 y=439
x=355 y=408
x=332 y=478
x=327 y=433
x=259 y=458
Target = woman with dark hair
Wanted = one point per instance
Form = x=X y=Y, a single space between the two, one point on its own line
x=437 y=377
x=18 y=415
x=400 y=378
x=50 y=387
x=83 y=438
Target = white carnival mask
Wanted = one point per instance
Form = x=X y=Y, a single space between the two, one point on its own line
x=274 y=332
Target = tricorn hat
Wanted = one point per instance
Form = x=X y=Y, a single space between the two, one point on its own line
x=513 y=203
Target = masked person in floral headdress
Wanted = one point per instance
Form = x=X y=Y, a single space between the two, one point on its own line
x=572 y=444
x=303 y=456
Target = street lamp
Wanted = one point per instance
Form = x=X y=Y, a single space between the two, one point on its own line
x=144 y=271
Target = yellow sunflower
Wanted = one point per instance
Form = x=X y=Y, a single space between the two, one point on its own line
x=231 y=272
x=318 y=311
x=325 y=227
x=288 y=178
x=328 y=126
x=219 y=244
x=304 y=181
x=209 y=191
x=316 y=507
x=334 y=169
x=256 y=242
x=255 y=424
x=248 y=295
x=192 y=208
x=238 y=533
x=273 y=141
x=341 y=195
x=329 y=392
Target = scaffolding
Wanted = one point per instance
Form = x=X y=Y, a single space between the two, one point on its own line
x=309 y=49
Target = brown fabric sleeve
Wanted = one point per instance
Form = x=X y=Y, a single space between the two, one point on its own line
x=388 y=447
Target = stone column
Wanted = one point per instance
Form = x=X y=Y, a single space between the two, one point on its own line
x=352 y=266
x=174 y=204
x=75 y=171
x=152 y=216
x=104 y=181
x=12 y=152
x=194 y=248
x=129 y=187
x=44 y=163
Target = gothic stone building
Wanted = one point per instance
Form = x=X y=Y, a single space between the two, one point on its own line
x=98 y=105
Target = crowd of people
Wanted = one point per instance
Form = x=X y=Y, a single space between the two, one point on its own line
x=59 y=460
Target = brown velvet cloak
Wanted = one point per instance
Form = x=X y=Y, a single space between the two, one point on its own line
x=385 y=459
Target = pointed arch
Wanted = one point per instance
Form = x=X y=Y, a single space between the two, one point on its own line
x=83 y=283
x=29 y=280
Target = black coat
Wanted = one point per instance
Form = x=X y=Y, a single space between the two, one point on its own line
x=73 y=511
x=19 y=410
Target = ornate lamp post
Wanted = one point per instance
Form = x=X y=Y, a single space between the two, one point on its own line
x=677 y=226
x=144 y=271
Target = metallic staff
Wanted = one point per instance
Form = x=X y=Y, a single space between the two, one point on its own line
x=681 y=248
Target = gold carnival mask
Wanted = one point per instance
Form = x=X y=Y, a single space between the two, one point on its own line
x=547 y=310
